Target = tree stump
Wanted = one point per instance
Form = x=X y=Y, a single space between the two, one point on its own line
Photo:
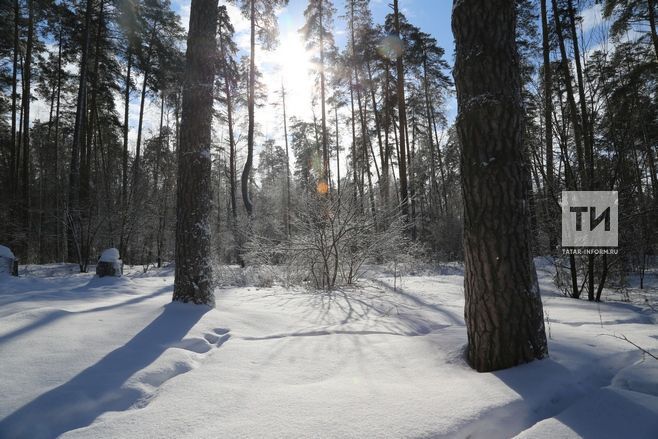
x=109 y=264
x=8 y=262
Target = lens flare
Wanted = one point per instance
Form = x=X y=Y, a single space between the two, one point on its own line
x=390 y=47
x=322 y=188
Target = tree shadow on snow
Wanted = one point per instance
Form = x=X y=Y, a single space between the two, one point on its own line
x=54 y=315
x=548 y=389
x=98 y=389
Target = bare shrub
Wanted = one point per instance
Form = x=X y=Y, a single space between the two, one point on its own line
x=332 y=237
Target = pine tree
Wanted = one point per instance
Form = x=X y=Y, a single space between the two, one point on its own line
x=193 y=282
x=628 y=13
x=503 y=311
x=229 y=69
x=262 y=19
x=319 y=38
x=402 y=115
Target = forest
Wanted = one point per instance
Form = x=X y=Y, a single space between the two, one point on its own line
x=77 y=182
x=356 y=176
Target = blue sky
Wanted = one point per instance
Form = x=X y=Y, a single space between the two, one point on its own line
x=289 y=64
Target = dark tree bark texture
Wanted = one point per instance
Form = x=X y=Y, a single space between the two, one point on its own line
x=503 y=311
x=193 y=270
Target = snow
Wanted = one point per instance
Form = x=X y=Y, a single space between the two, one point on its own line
x=5 y=252
x=85 y=357
x=109 y=255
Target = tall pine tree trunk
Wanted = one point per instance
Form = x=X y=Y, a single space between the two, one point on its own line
x=25 y=184
x=402 y=110
x=13 y=178
x=503 y=311
x=124 y=156
x=548 y=126
x=325 y=141
x=588 y=134
x=354 y=159
x=74 y=218
x=246 y=172
x=337 y=151
x=573 y=110
x=285 y=136
x=652 y=23
x=229 y=123
x=193 y=281
x=58 y=196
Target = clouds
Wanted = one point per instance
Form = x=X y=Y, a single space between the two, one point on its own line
x=592 y=17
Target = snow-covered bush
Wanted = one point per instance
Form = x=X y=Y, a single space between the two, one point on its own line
x=332 y=237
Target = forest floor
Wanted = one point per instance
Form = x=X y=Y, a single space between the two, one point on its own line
x=84 y=357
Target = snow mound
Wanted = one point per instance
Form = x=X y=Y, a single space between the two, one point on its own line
x=641 y=377
x=6 y=253
x=606 y=413
x=110 y=255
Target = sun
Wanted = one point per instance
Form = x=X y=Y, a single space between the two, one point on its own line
x=295 y=72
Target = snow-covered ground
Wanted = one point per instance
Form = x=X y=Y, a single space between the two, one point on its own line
x=83 y=357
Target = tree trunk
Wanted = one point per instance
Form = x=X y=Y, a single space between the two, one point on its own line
x=439 y=157
x=387 y=147
x=13 y=176
x=74 y=222
x=586 y=131
x=503 y=311
x=652 y=23
x=428 y=113
x=124 y=157
x=325 y=141
x=548 y=125
x=285 y=136
x=231 y=136
x=58 y=197
x=402 y=162
x=573 y=110
x=27 y=77
x=375 y=113
x=412 y=174
x=138 y=143
x=585 y=124
x=337 y=151
x=193 y=281
x=246 y=199
x=354 y=160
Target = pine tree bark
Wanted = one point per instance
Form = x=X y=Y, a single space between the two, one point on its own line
x=573 y=110
x=251 y=100
x=229 y=122
x=356 y=186
x=503 y=311
x=652 y=23
x=27 y=77
x=402 y=162
x=337 y=151
x=140 y=122
x=13 y=180
x=325 y=141
x=548 y=123
x=74 y=220
x=193 y=281
x=126 y=119
x=285 y=136
x=58 y=197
